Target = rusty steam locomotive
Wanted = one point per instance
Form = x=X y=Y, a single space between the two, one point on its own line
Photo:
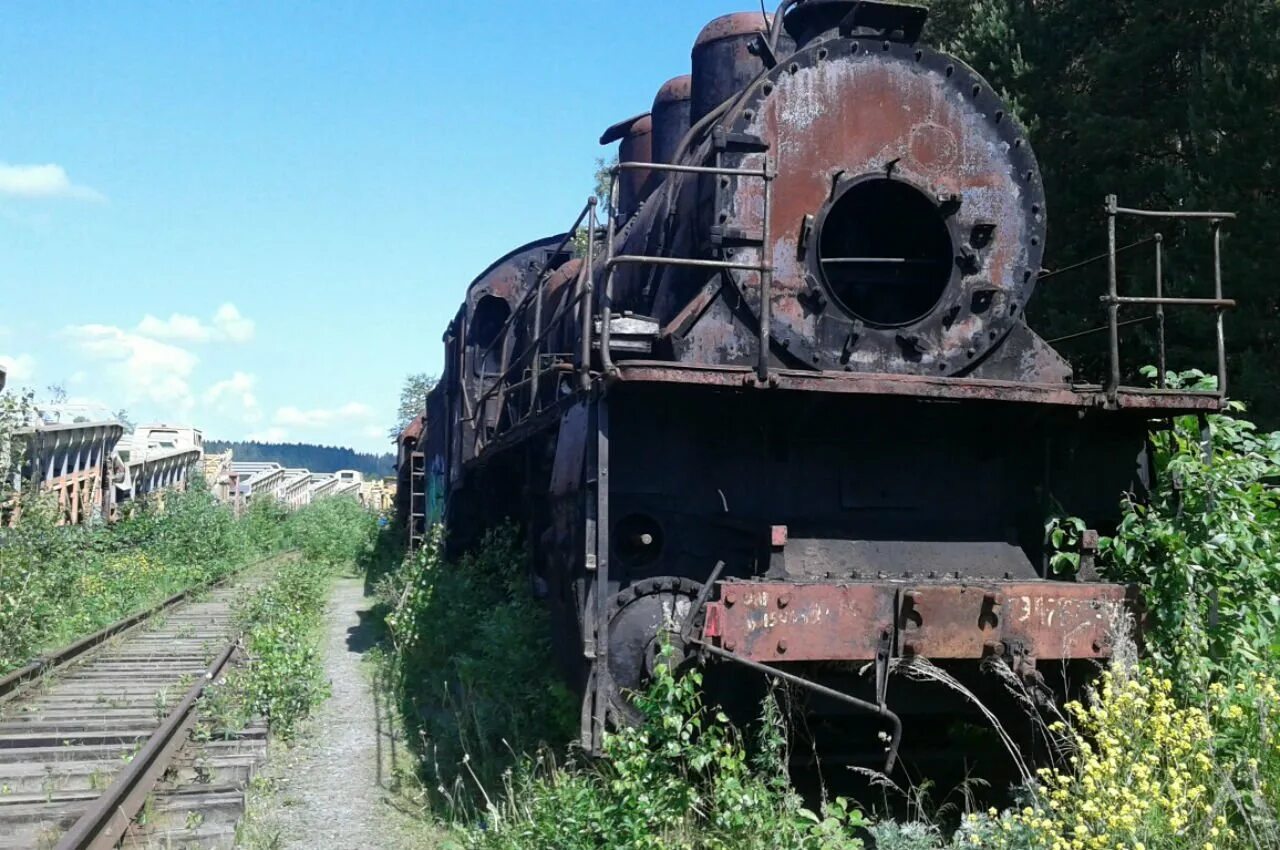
x=781 y=408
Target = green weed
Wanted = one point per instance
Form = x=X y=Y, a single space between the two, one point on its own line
x=58 y=583
x=472 y=661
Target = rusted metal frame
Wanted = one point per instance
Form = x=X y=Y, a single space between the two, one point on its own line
x=606 y=297
x=1217 y=294
x=515 y=434
x=883 y=712
x=1113 y=306
x=506 y=374
x=104 y=823
x=1218 y=303
x=1074 y=266
x=1175 y=214
x=611 y=262
x=1212 y=303
x=637 y=259
x=586 y=277
x=766 y=281
x=690 y=169
x=537 y=345
x=916 y=386
x=602 y=557
x=686 y=630
x=595 y=564
x=461 y=365
x=511 y=387
x=541 y=279
x=1160 y=355
x=499 y=384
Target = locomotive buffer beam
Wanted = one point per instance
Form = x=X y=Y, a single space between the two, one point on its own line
x=777 y=622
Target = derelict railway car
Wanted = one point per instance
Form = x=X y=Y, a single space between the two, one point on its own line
x=781 y=408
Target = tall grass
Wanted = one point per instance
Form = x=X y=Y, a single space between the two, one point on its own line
x=472 y=666
x=282 y=676
x=60 y=582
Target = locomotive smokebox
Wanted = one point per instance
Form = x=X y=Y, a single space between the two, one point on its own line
x=906 y=223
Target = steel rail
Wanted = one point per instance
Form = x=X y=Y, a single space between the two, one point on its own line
x=14 y=679
x=105 y=822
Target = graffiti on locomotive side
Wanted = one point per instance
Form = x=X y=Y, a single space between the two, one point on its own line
x=1044 y=611
x=762 y=615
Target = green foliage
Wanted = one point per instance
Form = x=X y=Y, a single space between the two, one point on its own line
x=473 y=668
x=1063 y=535
x=682 y=779
x=332 y=532
x=60 y=582
x=15 y=410
x=1207 y=549
x=283 y=677
x=1167 y=105
x=413 y=400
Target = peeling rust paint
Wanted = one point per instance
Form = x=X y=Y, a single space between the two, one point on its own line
x=782 y=621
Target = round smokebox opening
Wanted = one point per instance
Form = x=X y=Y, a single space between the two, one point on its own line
x=884 y=252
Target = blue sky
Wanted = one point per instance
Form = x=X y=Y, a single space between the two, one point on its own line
x=258 y=217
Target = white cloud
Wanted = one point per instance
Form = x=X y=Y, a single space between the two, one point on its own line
x=142 y=369
x=227 y=325
x=235 y=397
x=19 y=367
x=232 y=326
x=42 y=182
x=177 y=327
x=352 y=414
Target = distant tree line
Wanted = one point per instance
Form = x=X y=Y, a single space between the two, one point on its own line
x=306 y=456
x=1168 y=106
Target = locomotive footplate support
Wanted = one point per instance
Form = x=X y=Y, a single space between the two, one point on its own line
x=776 y=622
x=882 y=711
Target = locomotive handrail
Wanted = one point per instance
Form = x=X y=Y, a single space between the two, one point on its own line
x=1113 y=299
x=560 y=313
x=501 y=382
x=542 y=274
x=690 y=169
x=640 y=259
x=1175 y=214
x=1213 y=303
x=763 y=268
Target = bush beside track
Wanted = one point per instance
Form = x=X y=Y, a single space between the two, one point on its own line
x=58 y=583
x=1178 y=750
x=282 y=677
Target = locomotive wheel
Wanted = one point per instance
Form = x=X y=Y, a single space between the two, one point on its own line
x=645 y=615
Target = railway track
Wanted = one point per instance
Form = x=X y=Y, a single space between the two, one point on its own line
x=95 y=741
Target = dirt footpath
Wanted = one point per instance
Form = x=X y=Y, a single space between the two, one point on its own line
x=332 y=789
